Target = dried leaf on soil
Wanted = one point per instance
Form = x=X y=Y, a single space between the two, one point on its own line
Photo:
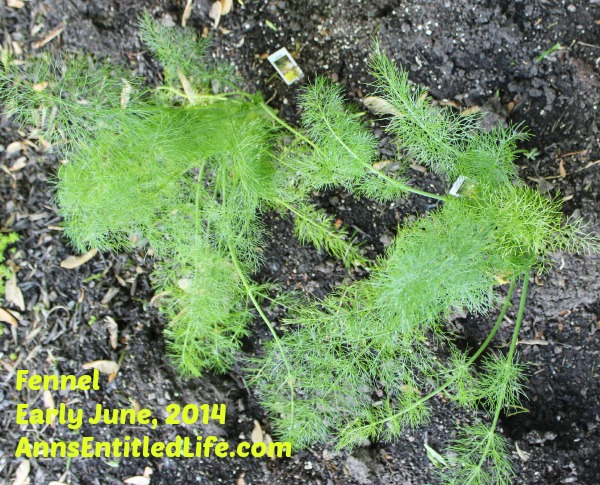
x=381 y=164
x=561 y=169
x=19 y=164
x=39 y=87
x=49 y=404
x=470 y=111
x=8 y=317
x=22 y=475
x=126 y=93
x=226 y=6
x=15 y=3
x=140 y=480
x=105 y=366
x=418 y=168
x=215 y=13
x=187 y=12
x=113 y=332
x=13 y=294
x=380 y=106
x=188 y=89
x=14 y=147
x=73 y=262
x=257 y=433
x=110 y=294
x=51 y=35
x=522 y=454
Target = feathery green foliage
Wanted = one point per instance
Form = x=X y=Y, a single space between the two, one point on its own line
x=448 y=142
x=188 y=173
x=481 y=456
x=361 y=357
x=68 y=98
x=5 y=241
x=190 y=168
x=183 y=53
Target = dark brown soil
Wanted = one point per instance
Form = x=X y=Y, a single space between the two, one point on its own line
x=466 y=52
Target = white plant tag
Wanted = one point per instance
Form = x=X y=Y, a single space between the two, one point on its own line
x=286 y=66
x=457 y=185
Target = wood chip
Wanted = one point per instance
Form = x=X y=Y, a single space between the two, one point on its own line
x=13 y=294
x=257 y=433
x=49 y=404
x=73 y=262
x=561 y=169
x=105 y=366
x=188 y=89
x=55 y=32
x=226 y=6
x=113 y=331
x=22 y=475
x=20 y=163
x=8 y=317
x=139 y=480
x=15 y=3
x=187 y=12
x=215 y=13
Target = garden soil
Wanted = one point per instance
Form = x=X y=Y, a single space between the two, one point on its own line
x=488 y=54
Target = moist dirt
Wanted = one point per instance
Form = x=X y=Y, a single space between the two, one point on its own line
x=468 y=53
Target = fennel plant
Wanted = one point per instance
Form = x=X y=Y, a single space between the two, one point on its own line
x=188 y=169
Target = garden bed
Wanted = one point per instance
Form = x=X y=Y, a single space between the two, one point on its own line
x=487 y=54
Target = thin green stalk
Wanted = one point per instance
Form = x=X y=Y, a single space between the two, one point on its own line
x=451 y=380
x=509 y=358
x=489 y=338
x=298 y=134
x=405 y=187
x=197 y=228
x=287 y=126
x=299 y=214
x=270 y=326
x=400 y=185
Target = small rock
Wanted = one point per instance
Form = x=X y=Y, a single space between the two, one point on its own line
x=328 y=455
x=167 y=21
x=357 y=470
x=386 y=239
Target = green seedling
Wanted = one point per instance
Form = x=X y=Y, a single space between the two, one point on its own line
x=532 y=154
x=5 y=241
x=556 y=47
